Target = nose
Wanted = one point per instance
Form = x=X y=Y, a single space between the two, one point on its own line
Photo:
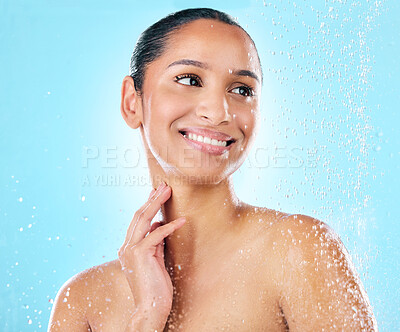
x=214 y=109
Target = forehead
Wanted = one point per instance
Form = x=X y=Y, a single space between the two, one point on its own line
x=213 y=41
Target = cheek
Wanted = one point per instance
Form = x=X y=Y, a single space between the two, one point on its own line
x=248 y=122
x=166 y=107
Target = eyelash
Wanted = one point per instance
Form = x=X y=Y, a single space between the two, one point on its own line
x=179 y=77
x=249 y=90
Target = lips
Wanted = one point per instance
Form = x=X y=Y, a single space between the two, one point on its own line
x=206 y=140
x=208 y=133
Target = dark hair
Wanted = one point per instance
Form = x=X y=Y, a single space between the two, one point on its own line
x=151 y=43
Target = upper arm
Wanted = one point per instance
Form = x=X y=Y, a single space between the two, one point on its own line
x=68 y=313
x=320 y=287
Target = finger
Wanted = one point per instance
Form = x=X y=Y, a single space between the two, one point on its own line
x=161 y=232
x=135 y=217
x=133 y=223
x=154 y=226
x=147 y=213
x=152 y=193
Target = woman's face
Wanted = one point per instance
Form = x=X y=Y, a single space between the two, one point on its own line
x=205 y=87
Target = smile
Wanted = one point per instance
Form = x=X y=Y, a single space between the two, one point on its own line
x=205 y=139
x=218 y=144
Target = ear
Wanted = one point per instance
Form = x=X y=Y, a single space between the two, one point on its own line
x=131 y=105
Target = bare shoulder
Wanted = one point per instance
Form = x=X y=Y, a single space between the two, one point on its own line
x=317 y=279
x=306 y=242
x=294 y=231
x=82 y=297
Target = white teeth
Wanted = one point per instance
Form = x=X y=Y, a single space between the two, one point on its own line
x=205 y=139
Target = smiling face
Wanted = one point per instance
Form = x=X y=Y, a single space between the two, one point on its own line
x=200 y=101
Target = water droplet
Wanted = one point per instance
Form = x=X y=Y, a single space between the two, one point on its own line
x=83 y=198
x=20 y=199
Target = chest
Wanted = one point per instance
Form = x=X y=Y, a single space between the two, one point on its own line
x=235 y=289
x=230 y=297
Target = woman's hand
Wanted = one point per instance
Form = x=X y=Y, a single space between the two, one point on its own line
x=142 y=260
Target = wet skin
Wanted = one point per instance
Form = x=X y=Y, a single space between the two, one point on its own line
x=232 y=266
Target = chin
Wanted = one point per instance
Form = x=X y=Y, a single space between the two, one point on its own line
x=203 y=175
x=198 y=179
x=199 y=168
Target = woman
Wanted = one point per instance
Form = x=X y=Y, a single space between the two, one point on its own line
x=212 y=262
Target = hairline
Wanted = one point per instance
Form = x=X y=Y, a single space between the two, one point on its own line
x=169 y=36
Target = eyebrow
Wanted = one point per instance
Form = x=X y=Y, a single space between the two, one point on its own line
x=248 y=73
x=189 y=62
x=202 y=65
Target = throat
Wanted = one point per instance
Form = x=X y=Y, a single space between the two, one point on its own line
x=208 y=230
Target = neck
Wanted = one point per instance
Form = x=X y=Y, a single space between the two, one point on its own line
x=211 y=211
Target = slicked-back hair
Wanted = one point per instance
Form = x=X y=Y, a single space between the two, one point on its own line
x=152 y=42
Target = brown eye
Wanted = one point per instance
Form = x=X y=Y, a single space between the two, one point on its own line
x=191 y=80
x=244 y=91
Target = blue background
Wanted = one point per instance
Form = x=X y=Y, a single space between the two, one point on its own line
x=73 y=173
